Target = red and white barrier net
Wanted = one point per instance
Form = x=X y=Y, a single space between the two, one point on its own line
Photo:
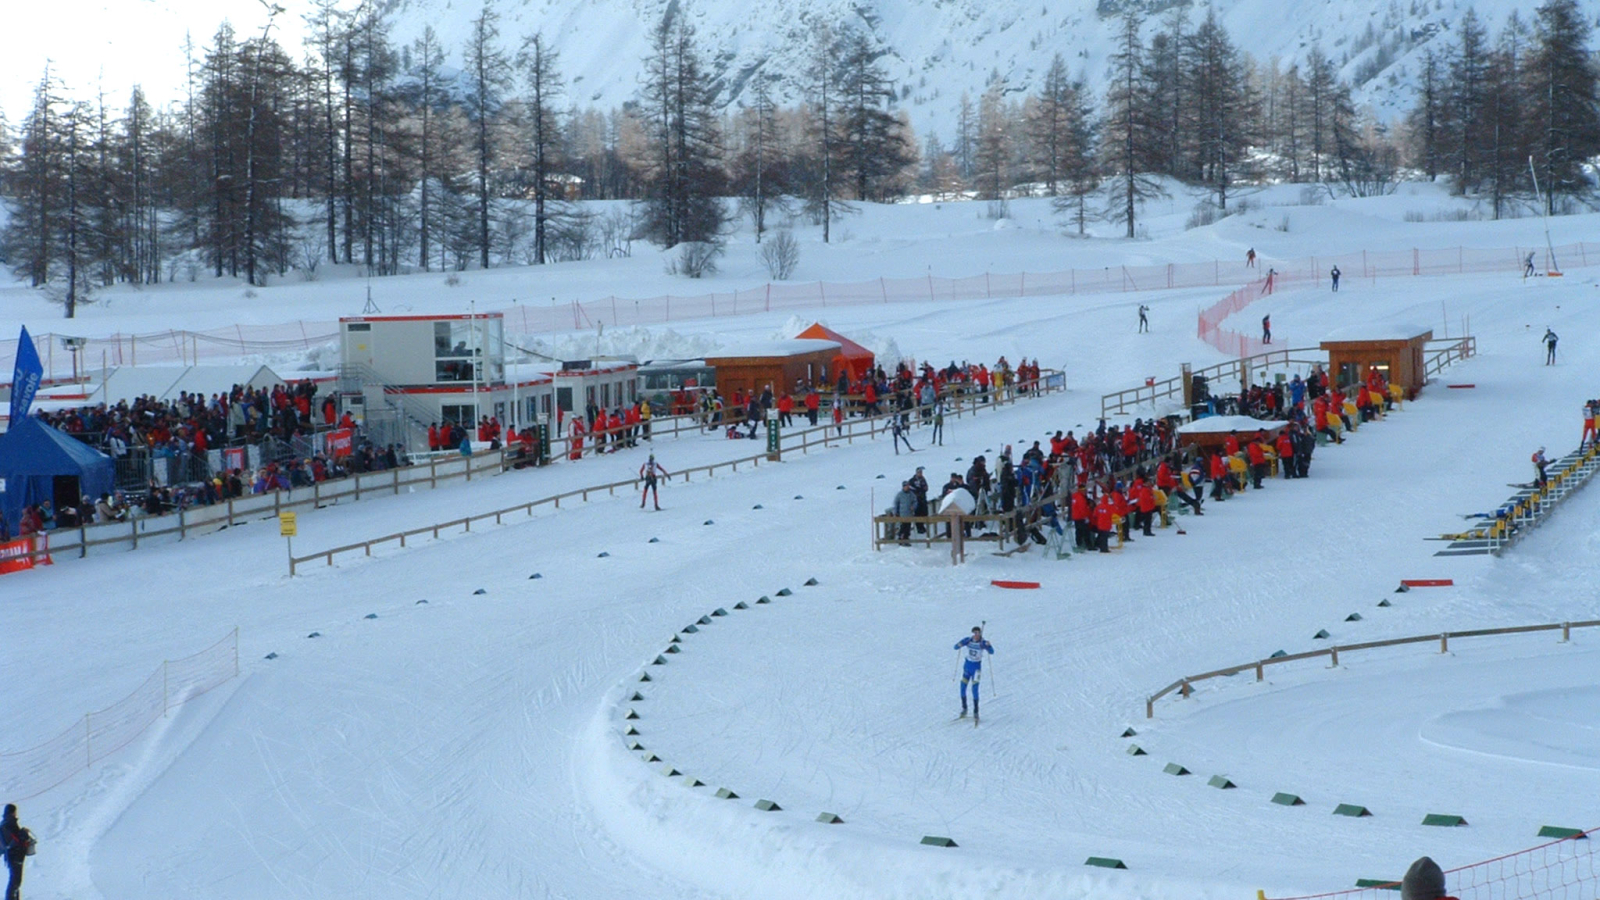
x=1565 y=869
x=28 y=773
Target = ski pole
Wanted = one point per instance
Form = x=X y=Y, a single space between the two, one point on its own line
x=993 y=692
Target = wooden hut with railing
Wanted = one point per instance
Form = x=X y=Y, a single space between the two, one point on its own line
x=1394 y=350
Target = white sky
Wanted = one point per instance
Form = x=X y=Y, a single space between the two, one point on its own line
x=120 y=43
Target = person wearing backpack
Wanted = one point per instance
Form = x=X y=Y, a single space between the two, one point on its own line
x=16 y=843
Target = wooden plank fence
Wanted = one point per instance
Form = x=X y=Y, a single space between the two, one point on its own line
x=1185 y=686
x=820 y=436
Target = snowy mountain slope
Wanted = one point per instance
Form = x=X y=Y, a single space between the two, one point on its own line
x=939 y=49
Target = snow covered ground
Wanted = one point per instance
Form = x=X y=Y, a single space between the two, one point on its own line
x=474 y=746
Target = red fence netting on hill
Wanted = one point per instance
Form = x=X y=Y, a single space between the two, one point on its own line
x=1565 y=869
x=179 y=346
x=28 y=773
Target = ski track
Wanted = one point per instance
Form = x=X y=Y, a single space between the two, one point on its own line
x=471 y=747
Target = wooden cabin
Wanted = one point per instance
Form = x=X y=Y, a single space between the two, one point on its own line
x=1395 y=350
x=751 y=368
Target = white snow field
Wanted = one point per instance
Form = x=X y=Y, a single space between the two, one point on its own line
x=474 y=746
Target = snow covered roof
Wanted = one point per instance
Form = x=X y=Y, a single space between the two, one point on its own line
x=528 y=373
x=791 y=347
x=1225 y=424
x=1378 y=331
x=161 y=382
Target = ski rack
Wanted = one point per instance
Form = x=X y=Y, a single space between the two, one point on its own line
x=1528 y=508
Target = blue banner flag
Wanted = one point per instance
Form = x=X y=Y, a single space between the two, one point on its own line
x=25 y=377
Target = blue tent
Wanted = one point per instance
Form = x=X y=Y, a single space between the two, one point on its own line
x=33 y=455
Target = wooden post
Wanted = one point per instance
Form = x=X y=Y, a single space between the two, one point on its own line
x=1260 y=674
x=1335 y=654
x=1149 y=708
x=1444 y=643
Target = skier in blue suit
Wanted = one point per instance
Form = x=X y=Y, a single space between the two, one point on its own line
x=972 y=667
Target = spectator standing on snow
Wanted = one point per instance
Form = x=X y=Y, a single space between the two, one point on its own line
x=1550 y=347
x=1144 y=319
x=650 y=471
x=15 y=843
x=905 y=506
x=1335 y=276
x=972 y=649
x=919 y=486
x=1423 y=881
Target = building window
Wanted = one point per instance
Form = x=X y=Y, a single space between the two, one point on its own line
x=464 y=414
x=456 y=370
x=455 y=339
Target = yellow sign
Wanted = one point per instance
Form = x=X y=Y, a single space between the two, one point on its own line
x=286 y=525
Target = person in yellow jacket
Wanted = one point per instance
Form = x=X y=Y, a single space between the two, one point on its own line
x=644 y=418
x=1239 y=470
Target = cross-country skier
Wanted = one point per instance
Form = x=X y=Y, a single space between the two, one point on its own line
x=1335 y=276
x=1144 y=319
x=1250 y=258
x=1550 y=347
x=649 y=472
x=1527 y=267
x=972 y=667
x=900 y=424
x=1266 y=328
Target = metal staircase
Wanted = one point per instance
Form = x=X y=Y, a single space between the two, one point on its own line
x=1527 y=509
x=399 y=420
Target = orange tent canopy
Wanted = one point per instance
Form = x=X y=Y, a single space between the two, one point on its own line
x=856 y=359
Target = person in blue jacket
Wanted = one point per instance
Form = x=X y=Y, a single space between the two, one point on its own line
x=972 y=667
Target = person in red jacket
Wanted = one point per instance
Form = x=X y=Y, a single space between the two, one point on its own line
x=577 y=439
x=1218 y=473
x=785 y=410
x=869 y=397
x=1104 y=522
x=630 y=424
x=1120 y=509
x=813 y=404
x=1082 y=519
x=433 y=437
x=1257 y=451
x=1146 y=500
x=1286 y=453
x=1230 y=444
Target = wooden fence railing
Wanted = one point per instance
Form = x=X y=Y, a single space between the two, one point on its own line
x=79 y=542
x=803 y=440
x=1229 y=375
x=554 y=501
x=1185 y=686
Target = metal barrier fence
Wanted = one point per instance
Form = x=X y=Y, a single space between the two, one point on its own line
x=28 y=773
x=1564 y=869
x=1185 y=686
x=191 y=346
